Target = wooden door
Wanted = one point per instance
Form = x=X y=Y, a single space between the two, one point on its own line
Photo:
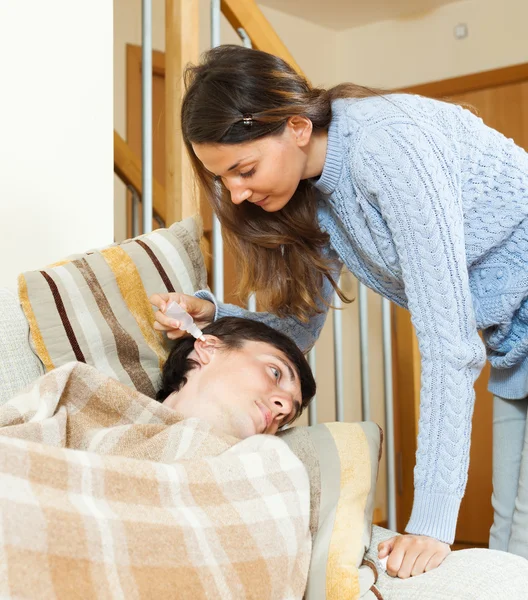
x=501 y=99
x=158 y=145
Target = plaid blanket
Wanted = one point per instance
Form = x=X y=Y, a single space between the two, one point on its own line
x=105 y=493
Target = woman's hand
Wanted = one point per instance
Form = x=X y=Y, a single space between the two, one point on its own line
x=202 y=311
x=411 y=555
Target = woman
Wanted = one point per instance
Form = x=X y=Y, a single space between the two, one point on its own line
x=423 y=203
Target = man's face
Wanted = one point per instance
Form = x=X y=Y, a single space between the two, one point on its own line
x=255 y=389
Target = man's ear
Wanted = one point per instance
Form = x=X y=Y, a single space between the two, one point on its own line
x=302 y=129
x=205 y=350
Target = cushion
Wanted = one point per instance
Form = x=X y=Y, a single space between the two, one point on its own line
x=94 y=307
x=473 y=574
x=342 y=463
x=18 y=365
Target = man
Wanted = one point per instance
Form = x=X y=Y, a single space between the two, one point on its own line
x=124 y=473
x=245 y=379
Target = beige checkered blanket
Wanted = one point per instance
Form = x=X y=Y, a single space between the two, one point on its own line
x=105 y=493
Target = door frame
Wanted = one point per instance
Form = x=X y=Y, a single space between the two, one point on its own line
x=471 y=83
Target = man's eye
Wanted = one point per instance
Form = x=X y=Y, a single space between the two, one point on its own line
x=248 y=173
x=276 y=372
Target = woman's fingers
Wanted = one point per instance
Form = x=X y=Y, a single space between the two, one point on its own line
x=412 y=555
x=385 y=547
x=199 y=309
x=436 y=560
x=397 y=558
x=421 y=562
x=160 y=301
x=202 y=311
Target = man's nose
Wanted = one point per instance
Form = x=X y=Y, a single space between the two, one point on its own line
x=282 y=403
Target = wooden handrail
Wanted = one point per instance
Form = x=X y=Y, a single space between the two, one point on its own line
x=127 y=166
x=247 y=14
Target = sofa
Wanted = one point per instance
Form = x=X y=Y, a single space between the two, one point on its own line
x=478 y=574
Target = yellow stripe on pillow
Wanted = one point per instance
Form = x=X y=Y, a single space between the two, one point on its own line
x=135 y=297
x=36 y=335
x=342 y=576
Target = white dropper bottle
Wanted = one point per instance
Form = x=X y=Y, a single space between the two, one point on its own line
x=176 y=312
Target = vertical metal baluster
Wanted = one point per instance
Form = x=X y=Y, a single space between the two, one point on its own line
x=218 y=245
x=389 y=414
x=146 y=114
x=338 y=359
x=363 y=345
x=135 y=210
x=252 y=303
x=246 y=41
x=312 y=408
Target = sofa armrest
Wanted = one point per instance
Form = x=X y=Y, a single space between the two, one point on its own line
x=473 y=574
x=19 y=366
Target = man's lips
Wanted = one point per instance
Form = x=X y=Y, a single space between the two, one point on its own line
x=266 y=415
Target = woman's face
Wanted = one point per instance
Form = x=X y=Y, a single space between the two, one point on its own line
x=265 y=171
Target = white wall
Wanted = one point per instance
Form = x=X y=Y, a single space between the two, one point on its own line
x=314 y=47
x=423 y=48
x=56 y=145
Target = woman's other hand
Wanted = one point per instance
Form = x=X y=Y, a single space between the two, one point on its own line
x=412 y=555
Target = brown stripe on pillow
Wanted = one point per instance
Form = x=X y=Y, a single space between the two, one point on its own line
x=127 y=348
x=158 y=265
x=59 y=304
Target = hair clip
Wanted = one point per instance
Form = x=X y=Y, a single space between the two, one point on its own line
x=247 y=119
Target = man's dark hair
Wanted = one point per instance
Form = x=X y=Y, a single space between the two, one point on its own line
x=233 y=332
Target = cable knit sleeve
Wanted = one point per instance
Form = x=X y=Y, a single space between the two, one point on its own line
x=304 y=334
x=412 y=173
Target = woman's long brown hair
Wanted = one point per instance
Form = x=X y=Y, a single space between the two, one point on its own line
x=279 y=255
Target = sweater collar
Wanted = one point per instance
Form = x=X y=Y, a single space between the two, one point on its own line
x=333 y=164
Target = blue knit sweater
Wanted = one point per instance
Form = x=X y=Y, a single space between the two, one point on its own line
x=429 y=207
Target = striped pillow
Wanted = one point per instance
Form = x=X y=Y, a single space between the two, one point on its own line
x=342 y=463
x=94 y=307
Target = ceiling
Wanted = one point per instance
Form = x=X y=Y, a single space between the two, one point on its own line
x=343 y=14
